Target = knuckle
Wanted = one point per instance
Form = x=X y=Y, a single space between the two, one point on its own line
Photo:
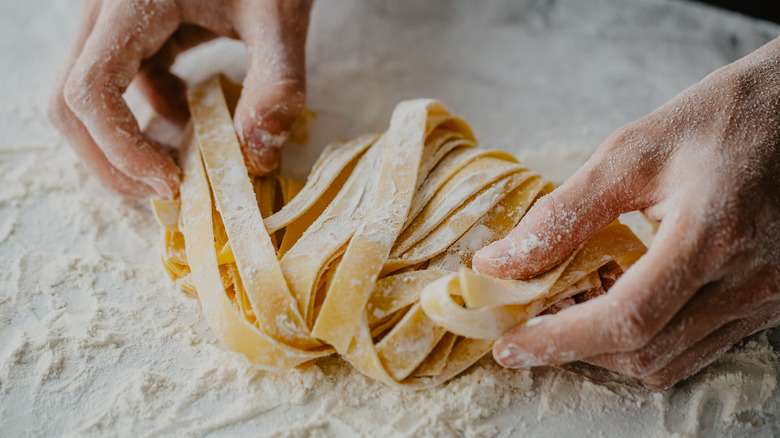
x=739 y=82
x=629 y=159
x=87 y=86
x=626 y=136
x=57 y=109
x=76 y=92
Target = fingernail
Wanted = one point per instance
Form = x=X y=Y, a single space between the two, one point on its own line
x=536 y=320
x=161 y=187
x=262 y=151
x=262 y=161
x=497 y=251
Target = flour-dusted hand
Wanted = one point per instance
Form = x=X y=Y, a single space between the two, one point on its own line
x=707 y=165
x=121 y=41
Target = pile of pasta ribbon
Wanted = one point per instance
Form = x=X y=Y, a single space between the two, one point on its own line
x=368 y=258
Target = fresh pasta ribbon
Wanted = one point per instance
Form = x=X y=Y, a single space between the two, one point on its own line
x=368 y=258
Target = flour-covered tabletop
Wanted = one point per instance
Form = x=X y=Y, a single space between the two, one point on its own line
x=94 y=340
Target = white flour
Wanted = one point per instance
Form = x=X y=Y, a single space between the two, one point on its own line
x=94 y=340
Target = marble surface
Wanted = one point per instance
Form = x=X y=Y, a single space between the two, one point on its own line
x=546 y=80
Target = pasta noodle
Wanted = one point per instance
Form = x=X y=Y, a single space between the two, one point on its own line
x=368 y=258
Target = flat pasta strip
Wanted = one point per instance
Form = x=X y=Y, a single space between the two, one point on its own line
x=236 y=202
x=231 y=329
x=333 y=161
x=493 y=306
x=368 y=258
x=402 y=145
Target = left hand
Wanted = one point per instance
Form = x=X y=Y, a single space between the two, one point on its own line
x=121 y=41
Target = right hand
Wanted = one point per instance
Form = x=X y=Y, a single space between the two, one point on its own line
x=707 y=166
x=119 y=41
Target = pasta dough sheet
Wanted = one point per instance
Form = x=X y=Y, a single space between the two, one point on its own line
x=369 y=258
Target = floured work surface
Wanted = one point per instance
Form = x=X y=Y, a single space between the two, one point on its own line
x=369 y=258
x=94 y=342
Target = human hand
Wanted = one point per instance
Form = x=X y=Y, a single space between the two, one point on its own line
x=121 y=41
x=707 y=166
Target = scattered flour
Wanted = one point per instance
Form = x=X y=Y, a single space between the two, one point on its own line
x=529 y=243
x=94 y=341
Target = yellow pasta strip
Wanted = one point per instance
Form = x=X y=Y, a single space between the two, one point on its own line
x=226 y=255
x=167 y=213
x=236 y=202
x=233 y=331
x=333 y=162
x=304 y=264
x=436 y=360
x=444 y=234
x=299 y=133
x=494 y=306
x=409 y=343
x=450 y=164
x=452 y=195
x=369 y=245
x=395 y=292
x=495 y=224
x=402 y=144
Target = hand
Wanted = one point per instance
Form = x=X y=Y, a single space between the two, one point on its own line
x=707 y=166
x=121 y=41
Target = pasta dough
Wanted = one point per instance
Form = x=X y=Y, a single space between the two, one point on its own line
x=368 y=258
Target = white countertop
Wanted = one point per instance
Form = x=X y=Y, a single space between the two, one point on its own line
x=94 y=340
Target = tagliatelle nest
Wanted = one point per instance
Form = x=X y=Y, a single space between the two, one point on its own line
x=369 y=257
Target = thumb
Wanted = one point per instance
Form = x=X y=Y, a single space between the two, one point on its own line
x=275 y=86
x=559 y=222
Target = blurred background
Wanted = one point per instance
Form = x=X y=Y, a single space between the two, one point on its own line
x=754 y=8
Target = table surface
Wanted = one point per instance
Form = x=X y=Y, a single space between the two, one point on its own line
x=88 y=323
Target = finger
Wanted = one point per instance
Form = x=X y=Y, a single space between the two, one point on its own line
x=126 y=33
x=713 y=306
x=90 y=10
x=66 y=122
x=710 y=348
x=165 y=91
x=275 y=86
x=607 y=185
x=637 y=307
